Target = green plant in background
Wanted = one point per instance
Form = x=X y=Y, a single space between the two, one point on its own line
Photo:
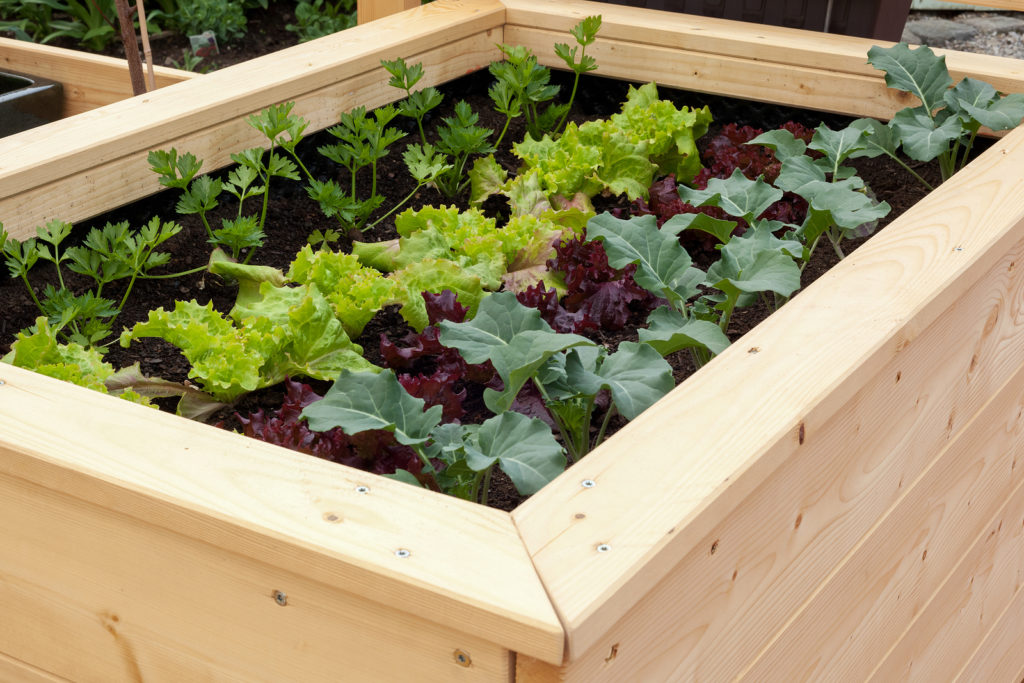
x=190 y=61
x=226 y=19
x=322 y=18
x=585 y=34
x=946 y=123
x=90 y=22
x=28 y=20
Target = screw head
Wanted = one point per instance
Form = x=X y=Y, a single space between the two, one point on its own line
x=402 y=553
x=462 y=658
x=2 y=382
x=281 y=598
x=362 y=489
x=588 y=483
x=603 y=548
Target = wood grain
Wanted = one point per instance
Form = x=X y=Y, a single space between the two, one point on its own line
x=371 y=10
x=692 y=476
x=89 y=80
x=1001 y=656
x=299 y=514
x=763 y=47
x=17 y=671
x=130 y=601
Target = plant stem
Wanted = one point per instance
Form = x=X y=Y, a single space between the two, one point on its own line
x=396 y=207
x=486 y=487
x=147 y=276
x=835 y=245
x=604 y=425
x=24 y=278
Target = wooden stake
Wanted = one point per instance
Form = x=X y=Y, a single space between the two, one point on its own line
x=150 y=78
x=131 y=47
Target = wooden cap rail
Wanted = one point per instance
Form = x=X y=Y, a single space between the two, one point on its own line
x=839 y=495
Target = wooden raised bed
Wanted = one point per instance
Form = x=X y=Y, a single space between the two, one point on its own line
x=836 y=496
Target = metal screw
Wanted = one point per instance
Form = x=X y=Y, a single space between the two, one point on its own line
x=2 y=382
x=402 y=553
x=362 y=489
x=462 y=658
x=588 y=483
x=280 y=598
x=958 y=248
x=603 y=548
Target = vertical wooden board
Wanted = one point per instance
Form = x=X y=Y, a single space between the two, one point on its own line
x=771 y=383
x=731 y=594
x=849 y=623
x=107 y=186
x=467 y=568
x=89 y=80
x=371 y=10
x=130 y=601
x=1000 y=657
x=957 y=617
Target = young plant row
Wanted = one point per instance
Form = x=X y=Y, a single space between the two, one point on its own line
x=500 y=310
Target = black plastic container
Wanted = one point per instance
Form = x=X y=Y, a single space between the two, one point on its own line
x=880 y=19
x=28 y=101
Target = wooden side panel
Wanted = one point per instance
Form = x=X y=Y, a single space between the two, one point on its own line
x=89 y=80
x=371 y=10
x=94 y=595
x=773 y=64
x=710 y=484
x=96 y=161
x=148 y=477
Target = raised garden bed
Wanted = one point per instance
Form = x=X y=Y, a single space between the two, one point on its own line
x=836 y=494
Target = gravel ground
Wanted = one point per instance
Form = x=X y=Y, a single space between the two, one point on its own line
x=1004 y=43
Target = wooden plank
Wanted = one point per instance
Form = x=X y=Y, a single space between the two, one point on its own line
x=931 y=256
x=133 y=126
x=956 y=618
x=869 y=598
x=627 y=34
x=15 y=670
x=106 y=186
x=1001 y=656
x=468 y=570
x=89 y=80
x=371 y=10
x=130 y=601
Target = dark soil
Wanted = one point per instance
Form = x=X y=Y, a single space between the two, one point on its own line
x=293 y=216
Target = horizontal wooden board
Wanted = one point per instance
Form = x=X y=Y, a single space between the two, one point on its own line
x=721 y=51
x=1014 y=5
x=299 y=514
x=770 y=384
x=89 y=80
x=107 y=186
x=129 y=601
x=73 y=147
